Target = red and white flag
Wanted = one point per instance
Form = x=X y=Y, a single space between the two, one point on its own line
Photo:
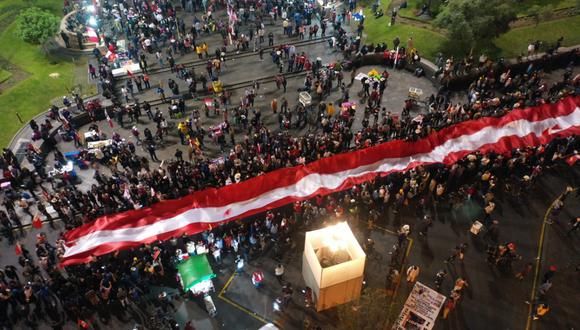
x=109 y=120
x=198 y=211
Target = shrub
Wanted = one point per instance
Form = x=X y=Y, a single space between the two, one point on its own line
x=36 y=26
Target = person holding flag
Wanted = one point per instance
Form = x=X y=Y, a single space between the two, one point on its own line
x=109 y=120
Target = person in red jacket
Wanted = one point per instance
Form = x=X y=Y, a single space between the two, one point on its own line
x=257 y=278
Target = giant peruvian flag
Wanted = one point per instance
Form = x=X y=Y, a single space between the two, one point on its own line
x=199 y=211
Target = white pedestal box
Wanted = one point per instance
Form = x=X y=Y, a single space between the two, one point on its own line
x=333 y=265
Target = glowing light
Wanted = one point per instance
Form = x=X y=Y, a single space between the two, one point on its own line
x=335 y=241
x=90 y=8
x=93 y=21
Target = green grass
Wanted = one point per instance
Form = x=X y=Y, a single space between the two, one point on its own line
x=33 y=94
x=12 y=7
x=4 y=75
x=412 y=8
x=509 y=45
x=517 y=40
x=378 y=30
x=523 y=7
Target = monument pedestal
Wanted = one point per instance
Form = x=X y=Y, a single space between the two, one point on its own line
x=333 y=265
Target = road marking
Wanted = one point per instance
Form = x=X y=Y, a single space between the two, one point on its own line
x=240 y=307
x=539 y=260
x=227 y=284
x=407 y=251
x=384 y=229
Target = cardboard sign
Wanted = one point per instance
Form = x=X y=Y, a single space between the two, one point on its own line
x=421 y=309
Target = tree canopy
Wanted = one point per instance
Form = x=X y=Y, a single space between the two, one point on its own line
x=36 y=26
x=475 y=21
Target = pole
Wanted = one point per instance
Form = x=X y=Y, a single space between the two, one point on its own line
x=19 y=119
x=539 y=256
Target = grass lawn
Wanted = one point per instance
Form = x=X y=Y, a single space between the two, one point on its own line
x=523 y=7
x=411 y=10
x=33 y=94
x=4 y=75
x=517 y=40
x=378 y=30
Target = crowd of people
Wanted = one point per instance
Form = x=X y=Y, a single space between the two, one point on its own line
x=112 y=285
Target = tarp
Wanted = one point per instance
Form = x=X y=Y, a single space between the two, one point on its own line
x=194 y=270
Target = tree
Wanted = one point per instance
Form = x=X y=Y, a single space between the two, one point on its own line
x=36 y=26
x=474 y=22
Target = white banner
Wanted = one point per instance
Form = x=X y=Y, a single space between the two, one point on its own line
x=360 y=76
x=421 y=309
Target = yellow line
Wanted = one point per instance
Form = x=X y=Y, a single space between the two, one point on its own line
x=400 y=277
x=407 y=251
x=227 y=284
x=243 y=309
x=238 y=306
x=408 y=248
x=539 y=260
x=384 y=229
